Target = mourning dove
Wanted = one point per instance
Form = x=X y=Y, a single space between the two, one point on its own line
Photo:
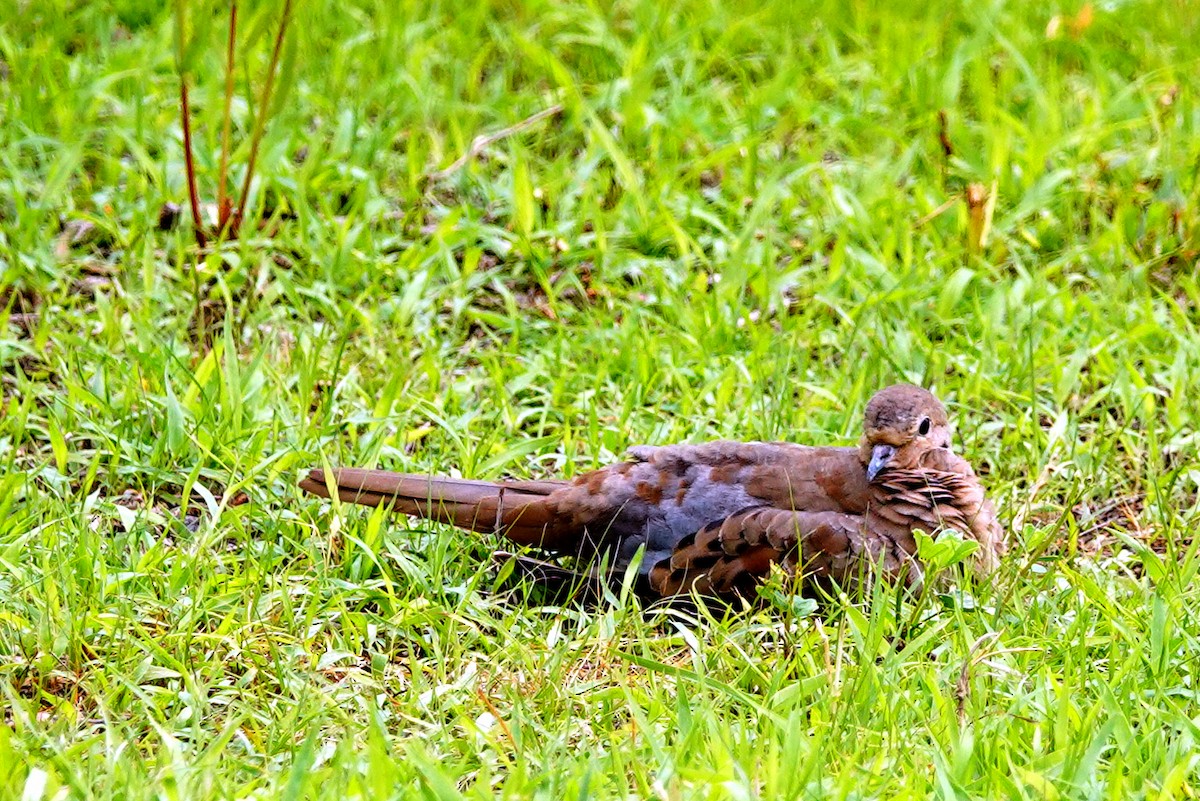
x=713 y=517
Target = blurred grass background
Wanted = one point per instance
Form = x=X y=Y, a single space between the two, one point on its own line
x=745 y=218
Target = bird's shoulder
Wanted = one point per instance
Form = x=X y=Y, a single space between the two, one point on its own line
x=719 y=453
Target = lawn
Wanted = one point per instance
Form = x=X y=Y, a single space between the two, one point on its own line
x=732 y=220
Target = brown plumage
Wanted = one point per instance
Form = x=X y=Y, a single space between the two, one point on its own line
x=712 y=518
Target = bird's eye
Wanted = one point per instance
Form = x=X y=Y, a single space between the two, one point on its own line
x=923 y=428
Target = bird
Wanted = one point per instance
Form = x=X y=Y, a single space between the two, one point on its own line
x=711 y=519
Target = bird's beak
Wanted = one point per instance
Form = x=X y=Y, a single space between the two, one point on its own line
x=880 y=456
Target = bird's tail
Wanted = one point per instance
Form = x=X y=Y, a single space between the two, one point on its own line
x=520 y=510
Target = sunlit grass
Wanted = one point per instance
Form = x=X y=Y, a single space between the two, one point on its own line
x=741 y=224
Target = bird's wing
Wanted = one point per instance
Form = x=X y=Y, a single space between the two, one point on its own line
x=732 y=555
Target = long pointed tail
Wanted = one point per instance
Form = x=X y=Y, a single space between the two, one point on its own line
x=521 y=510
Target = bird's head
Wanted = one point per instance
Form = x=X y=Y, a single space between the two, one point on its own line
x=902 y=424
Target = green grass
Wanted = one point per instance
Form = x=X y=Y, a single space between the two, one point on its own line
x=729 y=231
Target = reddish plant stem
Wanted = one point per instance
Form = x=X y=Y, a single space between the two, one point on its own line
x=189 y=161
x=224 y=206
